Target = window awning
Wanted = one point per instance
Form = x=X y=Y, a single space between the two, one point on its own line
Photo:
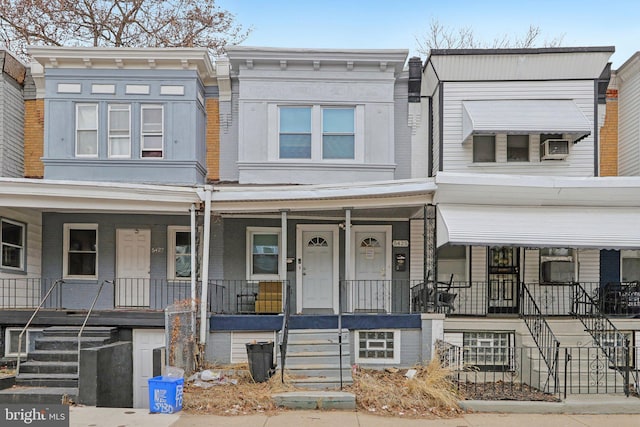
x=524 y=116
x=539 y=226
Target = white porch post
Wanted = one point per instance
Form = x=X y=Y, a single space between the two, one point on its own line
x=206 y=241
x=348 y=274
x=283 y=245
x=193 y=259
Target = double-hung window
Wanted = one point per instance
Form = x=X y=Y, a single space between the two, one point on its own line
x=152 y=126
x=80 y=251
x=12 y=242
x=179 y=256
x=295 y=132
x=86 y=130
x=119 y=130
x=338 y=133
x=263 y=250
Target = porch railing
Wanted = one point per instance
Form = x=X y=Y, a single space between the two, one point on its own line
x=16 y=293
x=542 y=334
x=247 y=296
x=284 y=337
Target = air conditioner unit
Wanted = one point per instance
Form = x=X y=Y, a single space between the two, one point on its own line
x=555 y=149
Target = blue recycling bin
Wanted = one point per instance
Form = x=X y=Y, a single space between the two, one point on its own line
x=165 y=394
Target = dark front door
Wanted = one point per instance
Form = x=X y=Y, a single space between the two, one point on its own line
x=504 y=273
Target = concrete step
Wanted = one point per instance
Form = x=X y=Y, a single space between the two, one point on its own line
x=316 y=400
x=54 y=355
x=55 y=367
x=319 y=383
x=316 y=336
x=47 y=380
x=72 y=331
x=320 y=371
x=38 y=395
x=68 y=342
x=307 y=346
x=309 y=359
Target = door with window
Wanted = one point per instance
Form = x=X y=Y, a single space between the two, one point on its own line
x=317 y=268
x=133 y=265
x=371 y=289
x=504 y=283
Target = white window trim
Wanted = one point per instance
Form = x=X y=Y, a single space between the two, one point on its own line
x=396 y=348
x=65 y=250
x=23 y=260
x=27 y=336
x=97 y=129
x=171 y=250
x=143 y=133
x=273 y=136
x=251 y=231
x=109 y=136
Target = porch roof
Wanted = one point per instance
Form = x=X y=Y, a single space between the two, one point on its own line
x=524 y=116
x=539 y=226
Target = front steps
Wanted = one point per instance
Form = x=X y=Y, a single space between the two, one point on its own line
x=50 y=372
x=315 y=400
x=313 y=358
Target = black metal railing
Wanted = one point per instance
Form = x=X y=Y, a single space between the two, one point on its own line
x=382 y=296
x=154 y=294
x=543 y=336
x=284 y=333
x=247 y=296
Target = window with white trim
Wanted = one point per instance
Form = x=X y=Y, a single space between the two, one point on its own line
x=80 y=251
x=12 y=244
x=263 y=253
x=179 y=252
x=12 y=339
x=378 y=346
x=119 y=130
x=87 y=130
x=319 y=133
x=152 y=128
x=629 y=265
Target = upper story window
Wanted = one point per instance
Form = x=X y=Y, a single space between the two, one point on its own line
x=80 y=251
x=484 y=148
x=263 y=251
x=12 y=242
x=119 y=130
x=152 y=130
x=517 y=148
x=87 y=130
x=318 y=133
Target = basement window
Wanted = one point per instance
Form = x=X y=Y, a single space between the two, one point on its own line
x=489 y=351
x=11 y=339
x=380 y=346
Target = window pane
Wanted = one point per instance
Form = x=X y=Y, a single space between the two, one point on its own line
x=119 y=120
x=120 y=146
x=11 y=256
x=88 y=142
x=337 y=120
x=517 y=148
x=152 y=142
x=338 y=147
x=630 y=269
x=265 y=244
x=82 y=240
x=484 y=148
x=295 y=120
x=87 y=117
x=151 y=119
x=295 y=146
x=82 y=264
x=12 y=233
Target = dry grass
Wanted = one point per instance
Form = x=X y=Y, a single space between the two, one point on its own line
x=430 y=393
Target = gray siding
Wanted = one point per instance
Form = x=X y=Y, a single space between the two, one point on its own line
x=11 y=128
x=629 y=125
x=402 y=137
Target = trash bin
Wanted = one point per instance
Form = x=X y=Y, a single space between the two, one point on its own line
x=165 y=394
x=260 y=357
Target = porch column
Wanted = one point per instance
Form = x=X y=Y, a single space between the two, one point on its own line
x=193 y=260
x=430 y=247
x=283 y=246
x=205 y=265
x=347 y=245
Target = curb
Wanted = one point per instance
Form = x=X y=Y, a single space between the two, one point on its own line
x=575 y=405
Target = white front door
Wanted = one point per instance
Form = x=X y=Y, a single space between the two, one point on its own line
x=371 y=288
x=144 y=342
x=317 y=268
x=133 y=265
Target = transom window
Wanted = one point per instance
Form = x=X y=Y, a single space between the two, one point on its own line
x=80 y=251
x=318 y=242
x=12 y=243
x=119 y=130
x=517 y=148
x=87 y=130
x=378 y=346
x=369 y=242
x=152 y=130
x=484 y=148
x=179 y=252
x=263 y=250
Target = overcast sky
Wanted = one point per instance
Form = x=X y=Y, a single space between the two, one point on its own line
x=388 y=24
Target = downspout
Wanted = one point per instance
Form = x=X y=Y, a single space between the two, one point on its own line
x=206 y=241
x=192 y=211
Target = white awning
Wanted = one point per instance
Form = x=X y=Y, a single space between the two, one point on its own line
x=524 y=116
x=539 y=226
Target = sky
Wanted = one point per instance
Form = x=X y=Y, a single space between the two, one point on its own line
x=395 y=24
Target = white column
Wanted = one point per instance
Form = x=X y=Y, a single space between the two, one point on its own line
x=347 y=258
x=193 y=260
x=206 y=241
x=283 y=245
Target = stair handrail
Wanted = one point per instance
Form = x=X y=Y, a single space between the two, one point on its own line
x=284 y=340
x=33 y=315
x=596 y=323
x=546 y=341
x=86 y=319
x=340 y=333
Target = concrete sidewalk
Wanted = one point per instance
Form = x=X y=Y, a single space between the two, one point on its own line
x=113 y=417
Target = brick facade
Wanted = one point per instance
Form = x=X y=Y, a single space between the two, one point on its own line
x=34 y=138
x=213 y=139
x=609 y=137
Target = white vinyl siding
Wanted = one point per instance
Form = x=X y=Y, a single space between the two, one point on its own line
x=416 y=250
x=478 y=263
x=458 y=156
x=531 y=265
x=588 y=265
x=436 y=131
x=629 y=124
x=33 y=221
x=239 y=341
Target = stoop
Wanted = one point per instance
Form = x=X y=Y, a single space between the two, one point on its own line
x=316 y=400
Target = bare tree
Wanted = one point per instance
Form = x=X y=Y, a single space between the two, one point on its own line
x=439 y=36
x=129 y=23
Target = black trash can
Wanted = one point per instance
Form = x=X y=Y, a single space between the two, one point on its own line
x=260 y=357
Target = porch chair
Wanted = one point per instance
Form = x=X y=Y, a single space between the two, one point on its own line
x=445 y=299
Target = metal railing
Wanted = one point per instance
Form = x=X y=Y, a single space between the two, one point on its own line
x=154 y=294
x=86 y=319
x=542 y=334
x=26 y=292
x=284 y=341
x=382 y=296
x=55 y=285
x=247 y=296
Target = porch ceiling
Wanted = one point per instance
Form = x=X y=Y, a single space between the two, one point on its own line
x=539 y=226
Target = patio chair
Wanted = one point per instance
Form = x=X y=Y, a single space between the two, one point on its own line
x=445 y=298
